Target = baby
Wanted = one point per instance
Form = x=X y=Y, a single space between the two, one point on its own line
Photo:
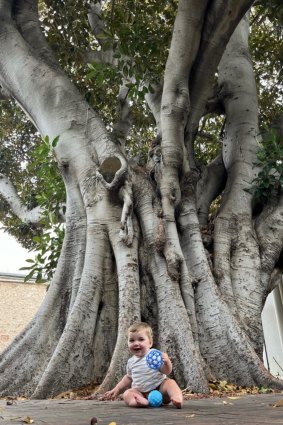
x=140 y=377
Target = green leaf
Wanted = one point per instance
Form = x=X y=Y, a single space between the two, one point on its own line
x=55 y=141
x=29 y=276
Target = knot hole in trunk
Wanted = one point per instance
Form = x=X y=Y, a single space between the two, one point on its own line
x=109 y=167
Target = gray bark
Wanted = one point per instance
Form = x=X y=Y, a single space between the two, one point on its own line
x=134 y=247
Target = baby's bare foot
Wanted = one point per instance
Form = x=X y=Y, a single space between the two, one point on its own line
x=177 y=401
x=141 y=401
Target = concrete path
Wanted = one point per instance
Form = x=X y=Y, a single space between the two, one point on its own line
x=245 y=410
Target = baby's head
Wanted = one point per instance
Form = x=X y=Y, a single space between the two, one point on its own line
x=142 y=326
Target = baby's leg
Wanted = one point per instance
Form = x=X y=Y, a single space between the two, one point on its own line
x=171 y=392
x=134 y=398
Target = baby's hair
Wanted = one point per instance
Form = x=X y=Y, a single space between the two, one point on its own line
x=141 y=326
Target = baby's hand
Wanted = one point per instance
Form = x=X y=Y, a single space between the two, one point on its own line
x=165 y=358
x=167 y=364
x=110 y=395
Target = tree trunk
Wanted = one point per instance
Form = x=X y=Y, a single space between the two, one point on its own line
x=133 y=247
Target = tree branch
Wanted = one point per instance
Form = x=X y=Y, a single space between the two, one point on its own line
x=210 y=185
x=126 y=195
x=175 y=107
x=154 y=103
x=275 y=280
x=25 y=13
x=123 y=123
x=221 y=21
x=106 y=56
x=97 y=24
x=175 y=104
x=8 y=191
x=236 y=251
x=269 y=230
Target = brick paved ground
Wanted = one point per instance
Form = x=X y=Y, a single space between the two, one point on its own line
x=246 y=410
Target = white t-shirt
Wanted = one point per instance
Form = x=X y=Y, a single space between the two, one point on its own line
x=144 y=379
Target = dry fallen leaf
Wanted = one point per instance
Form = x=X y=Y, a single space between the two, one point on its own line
x=212 y=386
x=226 y=404
x=28 y=420
x=112 y=423
x=279 y=403
x=191 y=416
x=233 y=398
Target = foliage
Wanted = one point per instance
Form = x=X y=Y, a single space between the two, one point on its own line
x=273 y=9
x=136 y=30
x=48 y=247
x=209 y=138
x=267 y=53
x=270 y=163
x=140 y=33
x=51 y=198
x=17 y=139
x=139 y=30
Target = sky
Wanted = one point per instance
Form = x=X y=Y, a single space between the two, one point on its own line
x=12 y=254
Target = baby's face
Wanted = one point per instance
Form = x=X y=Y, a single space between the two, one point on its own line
x=139 y=343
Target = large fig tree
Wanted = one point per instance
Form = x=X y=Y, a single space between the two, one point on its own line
x=176 y=242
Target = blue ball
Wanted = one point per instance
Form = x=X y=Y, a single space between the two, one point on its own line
x=154 y=359
x=155 y=398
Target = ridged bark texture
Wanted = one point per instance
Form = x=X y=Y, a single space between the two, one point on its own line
x=137 y=242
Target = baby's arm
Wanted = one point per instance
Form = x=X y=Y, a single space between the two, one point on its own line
x=167 y=364
x=123 y=384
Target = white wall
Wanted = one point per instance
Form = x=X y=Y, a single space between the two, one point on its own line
x=12 y=255
x=272 y=320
